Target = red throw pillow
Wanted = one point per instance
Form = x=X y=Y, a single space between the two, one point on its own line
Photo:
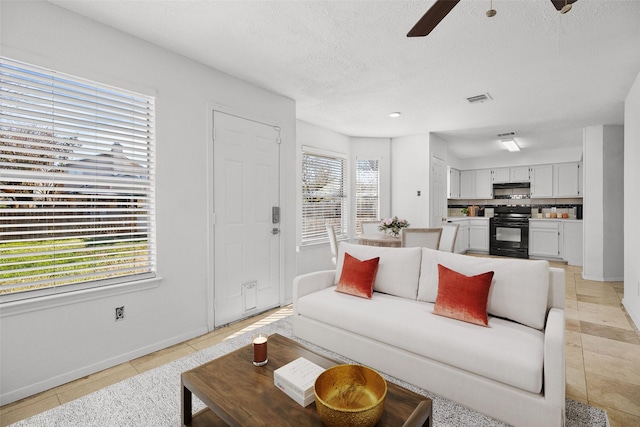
x=462 y=297
x=358 y=276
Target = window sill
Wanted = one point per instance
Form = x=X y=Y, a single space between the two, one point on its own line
x=26 y=305
x=313 y=245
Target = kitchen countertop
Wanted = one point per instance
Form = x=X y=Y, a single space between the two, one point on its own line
x=475 y=218
x=556 y=219
x=463 y=218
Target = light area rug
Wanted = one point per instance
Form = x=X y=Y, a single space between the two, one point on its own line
x=152 y=399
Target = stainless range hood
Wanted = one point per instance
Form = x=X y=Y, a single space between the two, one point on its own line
x=508 y=185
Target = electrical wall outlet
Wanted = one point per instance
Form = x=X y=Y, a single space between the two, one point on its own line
x=119 y=313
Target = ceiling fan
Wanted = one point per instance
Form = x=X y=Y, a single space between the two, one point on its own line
x=441 y=8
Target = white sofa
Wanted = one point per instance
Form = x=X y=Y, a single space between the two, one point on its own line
x=513 y=370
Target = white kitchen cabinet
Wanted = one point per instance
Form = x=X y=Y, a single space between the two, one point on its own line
x=567 y=180
x=556 y=239
x=454 y=183
x=476 y=184
x=541 y=181
x=484 y=184
x=501 y=175
x=571 y=242
x=514 y=174
x=544 y=238
x=520 y=174
x=479 y=235
x=467 y=184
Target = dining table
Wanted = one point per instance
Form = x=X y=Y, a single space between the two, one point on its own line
x=380 y=239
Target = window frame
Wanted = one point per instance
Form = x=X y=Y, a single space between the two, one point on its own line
x=137 y=155
x=309 y=238
x=376 y=217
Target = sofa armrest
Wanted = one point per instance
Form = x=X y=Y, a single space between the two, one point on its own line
x=554 y=359
x=556 y=288
x=309 y=283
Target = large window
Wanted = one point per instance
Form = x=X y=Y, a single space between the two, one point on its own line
x=367 y=191
x=323 y=196
x=76 y=182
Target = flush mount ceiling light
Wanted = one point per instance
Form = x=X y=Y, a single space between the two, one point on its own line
x=395 y=114
x=510 y=144
x=479 y=98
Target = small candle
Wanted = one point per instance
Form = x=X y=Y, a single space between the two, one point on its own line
x=260 y=350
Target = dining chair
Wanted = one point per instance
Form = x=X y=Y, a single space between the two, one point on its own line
x=333 y=243
x=370 y=227
x=421 y=237
x=448 y=237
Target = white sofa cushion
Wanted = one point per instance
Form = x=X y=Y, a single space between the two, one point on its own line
x=506 y=351
x=519 y=291
x=398 y=268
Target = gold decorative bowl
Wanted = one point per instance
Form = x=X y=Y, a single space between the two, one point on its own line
x=350 y=396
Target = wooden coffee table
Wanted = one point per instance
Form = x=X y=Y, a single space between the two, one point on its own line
x=237 y=393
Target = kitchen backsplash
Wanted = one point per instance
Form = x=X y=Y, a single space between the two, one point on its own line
x=540 y=208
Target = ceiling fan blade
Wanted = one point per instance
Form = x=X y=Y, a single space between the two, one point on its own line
x=432 y=18
x=559 y=4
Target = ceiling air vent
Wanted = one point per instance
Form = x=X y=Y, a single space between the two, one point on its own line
x=506 y=134
x=479 y=98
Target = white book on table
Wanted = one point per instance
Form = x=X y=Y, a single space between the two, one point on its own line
x=297 y=379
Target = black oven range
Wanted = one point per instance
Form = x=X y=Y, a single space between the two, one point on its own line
x=509 y=231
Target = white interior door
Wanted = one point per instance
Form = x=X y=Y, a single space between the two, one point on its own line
x=246 y=233
x=438 y=191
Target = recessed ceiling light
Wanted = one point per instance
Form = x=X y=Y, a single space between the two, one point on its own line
x=510 y=144
x=395 y=114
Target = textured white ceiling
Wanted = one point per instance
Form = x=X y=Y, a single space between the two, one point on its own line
x=348 y=64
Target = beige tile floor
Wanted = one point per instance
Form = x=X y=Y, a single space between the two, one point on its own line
x=603 y=348
x=602 y=357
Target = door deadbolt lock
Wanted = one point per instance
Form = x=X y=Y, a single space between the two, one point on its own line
x=275 y=231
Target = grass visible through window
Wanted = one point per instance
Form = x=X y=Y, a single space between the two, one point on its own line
x=66 y=266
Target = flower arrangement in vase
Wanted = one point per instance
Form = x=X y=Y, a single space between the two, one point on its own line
x=393 y=225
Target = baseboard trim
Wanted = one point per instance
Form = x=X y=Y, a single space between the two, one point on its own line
x=635 y=317
x=58 y=380
x=603 y=279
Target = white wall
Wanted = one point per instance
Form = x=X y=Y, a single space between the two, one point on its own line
x=314 y=257
x=410 y=168
x=631 y=299
x=593 y=238
x=603 y=203
x=411 y=161
x=613 y=202
x=51 y=341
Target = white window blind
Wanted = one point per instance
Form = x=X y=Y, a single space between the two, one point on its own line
x=367 y=192
x=323 y=197
x=76 y=181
